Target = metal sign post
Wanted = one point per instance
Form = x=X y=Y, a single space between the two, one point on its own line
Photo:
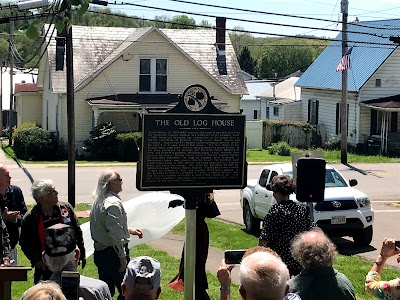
x=191 y=150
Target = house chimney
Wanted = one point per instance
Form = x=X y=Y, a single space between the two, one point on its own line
x=220 y=45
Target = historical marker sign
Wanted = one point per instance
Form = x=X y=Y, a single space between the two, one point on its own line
x=192 y=149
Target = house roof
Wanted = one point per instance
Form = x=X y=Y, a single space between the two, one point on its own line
x=284 y=90
x=255 y=88
x=365 y=58
x=95 y=48
x=27 y=87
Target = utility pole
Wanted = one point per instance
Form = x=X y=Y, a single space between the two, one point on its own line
x=10 y=111
x=1 y=94
x=70 y=105
x=343 y=107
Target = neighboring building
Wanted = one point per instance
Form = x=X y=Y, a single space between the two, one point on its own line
x=253 y=107
x=121 y=72
x=282 y=101
x=27 y=103
x=19 y=76
x=246 y=76
x=373 y=85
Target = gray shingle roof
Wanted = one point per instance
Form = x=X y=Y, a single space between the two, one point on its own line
x=365 y=58
x=97 y=47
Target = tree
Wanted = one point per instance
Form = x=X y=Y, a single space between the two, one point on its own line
x=161 y=21
x=280 y=61
x=246 y=62
x=239 y=40
x=182 y=22
x=206 y=24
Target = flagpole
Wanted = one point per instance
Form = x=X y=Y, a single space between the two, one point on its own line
x=343 y=106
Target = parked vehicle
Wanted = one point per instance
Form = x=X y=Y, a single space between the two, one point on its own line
x=345 y=211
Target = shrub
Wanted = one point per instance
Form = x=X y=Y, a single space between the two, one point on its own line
x=36 y=144
x=281 y=148
x=101 y=145
x=128 y=144
x=22 y=127
x=333 y=142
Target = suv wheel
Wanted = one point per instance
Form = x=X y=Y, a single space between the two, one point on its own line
x=363 y=237
x=252 y=224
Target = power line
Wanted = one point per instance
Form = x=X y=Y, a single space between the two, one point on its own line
x=248 y=31
x=269 y=13
x=244 y=20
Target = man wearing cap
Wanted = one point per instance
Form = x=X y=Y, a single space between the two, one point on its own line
x=47 y=212
x=62 y=254
x=142 y=279
x=13 y=208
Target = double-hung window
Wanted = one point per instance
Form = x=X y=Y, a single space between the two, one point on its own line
x=153 y=73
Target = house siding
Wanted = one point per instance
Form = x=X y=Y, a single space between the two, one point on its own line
x=327 y=111
x=249 y=106
x=122 y=76
x=292 y=111
x=29 y=108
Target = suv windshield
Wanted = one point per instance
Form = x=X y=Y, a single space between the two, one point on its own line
x=332 y=178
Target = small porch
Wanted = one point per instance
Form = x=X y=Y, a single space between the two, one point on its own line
x=125 y=110
x=384 y=135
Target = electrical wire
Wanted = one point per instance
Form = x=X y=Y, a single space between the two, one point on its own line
x=248 y=31
x=246 y=20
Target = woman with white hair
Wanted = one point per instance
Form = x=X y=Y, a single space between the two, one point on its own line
x=110 y=231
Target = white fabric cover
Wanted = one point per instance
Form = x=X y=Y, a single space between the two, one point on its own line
x=148 y=212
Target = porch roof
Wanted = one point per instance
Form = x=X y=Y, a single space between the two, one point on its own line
x=390 y=103
x=141 y=99
x=138 y=99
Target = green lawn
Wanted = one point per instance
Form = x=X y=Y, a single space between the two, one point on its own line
x=252 y=155
x=221 y=233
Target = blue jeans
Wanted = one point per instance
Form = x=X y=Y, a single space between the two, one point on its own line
x=107 y=262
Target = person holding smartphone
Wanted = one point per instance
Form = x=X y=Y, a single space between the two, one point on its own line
x=110 y=231
x=373 y=283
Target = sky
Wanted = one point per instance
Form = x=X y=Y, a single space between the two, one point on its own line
x=364 y=10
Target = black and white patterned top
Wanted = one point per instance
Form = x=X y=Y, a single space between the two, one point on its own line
x=283 y=222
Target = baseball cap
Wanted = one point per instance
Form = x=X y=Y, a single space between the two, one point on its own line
x=59 y=240
x=143 y=273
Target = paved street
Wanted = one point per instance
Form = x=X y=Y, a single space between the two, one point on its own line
x=381 y=182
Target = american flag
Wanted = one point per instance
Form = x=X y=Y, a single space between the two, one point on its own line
x=345 y=61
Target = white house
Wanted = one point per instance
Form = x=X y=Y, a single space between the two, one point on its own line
x=373 y=84
x=120 y=73
x=253 y=107
x=282 y=101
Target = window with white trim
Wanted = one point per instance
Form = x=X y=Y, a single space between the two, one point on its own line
x=153 y=74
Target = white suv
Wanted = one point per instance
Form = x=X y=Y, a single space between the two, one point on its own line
x=345 y=211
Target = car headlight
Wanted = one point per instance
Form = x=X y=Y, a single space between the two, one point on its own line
x=363 y=202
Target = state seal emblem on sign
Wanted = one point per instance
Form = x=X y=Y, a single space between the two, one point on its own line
x=195 y=97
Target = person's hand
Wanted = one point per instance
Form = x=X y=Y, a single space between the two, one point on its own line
x=224 y=274
x=388 y=248
x=9 y=215
x=122 y=264
x=136 y=231
x=6 y=262
x=40 y=265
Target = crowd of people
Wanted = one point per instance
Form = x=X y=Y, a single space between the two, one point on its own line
x=294 y=259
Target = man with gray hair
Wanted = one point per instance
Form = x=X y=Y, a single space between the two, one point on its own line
x=262 y=275
x=62 y=254
x=142 y=279
x=318 y=280
x=48 y=211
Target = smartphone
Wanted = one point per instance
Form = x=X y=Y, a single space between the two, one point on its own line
x=233 y=257
x=70 y=285
x=397 y=244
